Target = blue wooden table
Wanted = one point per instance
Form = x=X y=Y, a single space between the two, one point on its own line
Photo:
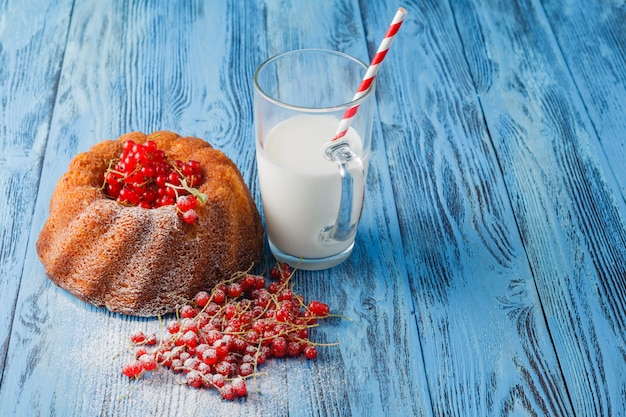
x=489 y=275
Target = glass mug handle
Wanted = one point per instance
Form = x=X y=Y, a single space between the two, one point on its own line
x=350 y=169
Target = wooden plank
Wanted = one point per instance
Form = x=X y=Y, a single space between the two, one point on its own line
x=145 y=66
x=32 y=41
x=487 y=349
x=593 y=42
x=569 y=214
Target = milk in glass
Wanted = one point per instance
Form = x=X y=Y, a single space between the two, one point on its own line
x=300 y=187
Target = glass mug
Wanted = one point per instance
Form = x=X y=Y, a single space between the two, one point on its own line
x=312 y=187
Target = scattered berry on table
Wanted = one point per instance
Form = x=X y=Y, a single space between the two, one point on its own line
x=221 y=337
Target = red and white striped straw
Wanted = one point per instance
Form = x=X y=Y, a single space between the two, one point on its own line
x=348 y=116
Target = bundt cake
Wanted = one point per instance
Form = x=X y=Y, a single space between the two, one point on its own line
x=146 y=261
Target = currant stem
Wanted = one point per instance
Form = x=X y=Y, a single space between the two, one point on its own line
x=203 y=198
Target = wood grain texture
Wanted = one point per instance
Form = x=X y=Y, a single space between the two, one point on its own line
x=488 y=277
x=198 y=80
x=32 y=42
x=593 y=43
x=486 y=346
x=570 y=224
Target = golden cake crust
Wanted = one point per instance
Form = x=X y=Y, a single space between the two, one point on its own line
x=141 y=261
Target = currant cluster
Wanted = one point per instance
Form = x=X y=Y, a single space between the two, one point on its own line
x=144 y=177
x=219 y=339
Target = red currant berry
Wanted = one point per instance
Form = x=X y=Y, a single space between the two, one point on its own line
x=173 y=178
x=150 y=146
x=202 y=298
x=137 y=337
x=113 y=190
x=273 y=288
x=194 y=379
x=246 y=368
x=219 y=296
x=190 y=339
x=234 y=290
x=274 y=273
x=132 y=369
x=318 y=308
x=279 y=347
x=285 y=294
x=195 y=166
x=147 y=362
x=128 y=145
x=187 y=311
x=218 y=380
x=190 y=216
x=160 y=180
x=310 y=352
x=209 y=356
x=173 y=326
x=284 y=315
x=186 y=202
x=228 y=393
x=167 y=200
x=140 y=352
x=239 y=386
x=147 y=171
x=294 y=349
x=285 y=270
